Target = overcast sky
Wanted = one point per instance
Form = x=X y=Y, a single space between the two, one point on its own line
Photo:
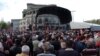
x=81 y=9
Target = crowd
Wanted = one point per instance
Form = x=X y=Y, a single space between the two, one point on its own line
x=48 y=43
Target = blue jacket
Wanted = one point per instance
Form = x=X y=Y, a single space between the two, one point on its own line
x=79 y=46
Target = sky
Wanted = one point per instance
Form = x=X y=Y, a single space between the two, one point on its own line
x=82 y=10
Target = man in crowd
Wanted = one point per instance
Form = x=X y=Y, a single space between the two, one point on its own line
x=25 y=51
x=79 y=44
x=69 y=51
x=16 y=48
x=46 y=47
x=2 y=50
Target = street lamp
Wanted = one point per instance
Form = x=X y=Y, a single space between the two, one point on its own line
x=72 y=12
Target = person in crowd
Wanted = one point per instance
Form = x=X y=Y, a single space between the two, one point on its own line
x=46 y=48
x=29 y=43
x=79 y=45
x=49 y=42
x=2 y=50
x=5 y=45
x=56 y=43
x=63 y=47
x=35 y=43
x=16 y=48
x=25 y=51
x=23 y=41
x=9 y=41
x=90 y=41
x=97 y=40
x=61 y=39
x=69 y=51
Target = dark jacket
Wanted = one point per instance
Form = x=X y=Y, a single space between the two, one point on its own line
x=56 y=44
x=61 y=50
x=2 y=54
x=68 y=53
x=46 y=54
x=15 y=50
x=79 y=46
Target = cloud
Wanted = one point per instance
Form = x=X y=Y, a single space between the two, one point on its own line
x=84 y=9
x=13 y=10
x=2 y=6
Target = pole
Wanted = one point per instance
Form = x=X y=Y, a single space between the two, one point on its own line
x=36 y=23
x=72 y=15
x=32 y=21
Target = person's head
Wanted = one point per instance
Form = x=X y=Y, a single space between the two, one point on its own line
x=47 y=38
x=60 y=39
x=63 y=44
x=69 y=44
x=35 y=37
x=25 y=49
x=46 y=46
x=17 y=42
x=86 y=35
x=82 y=38
x=8 y=36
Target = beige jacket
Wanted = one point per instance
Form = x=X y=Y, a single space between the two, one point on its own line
x=22 y=54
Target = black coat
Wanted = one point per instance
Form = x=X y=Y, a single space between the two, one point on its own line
x=2 y=54
x=15 y=50
x=56 y=45
x=68 y=53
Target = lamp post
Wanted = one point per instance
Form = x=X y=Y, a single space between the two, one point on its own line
x=72 y=12
x=32 y=20
x=36 y=22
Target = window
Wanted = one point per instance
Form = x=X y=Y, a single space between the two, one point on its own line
x=40 y=21
x=33 y=12
x=46 y=20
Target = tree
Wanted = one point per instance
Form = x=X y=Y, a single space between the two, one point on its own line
x=3 y=25
x=94 y=21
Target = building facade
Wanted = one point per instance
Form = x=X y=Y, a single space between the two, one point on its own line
x=31 y=21
x=29 y=15
x=15 y=24
x=48 y=20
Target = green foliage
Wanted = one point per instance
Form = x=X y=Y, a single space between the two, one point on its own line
x=94 y=21
x=3 y=25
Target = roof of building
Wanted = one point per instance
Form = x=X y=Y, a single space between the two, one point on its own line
x=63 y=14
x=80 y=25
x=15 y=19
